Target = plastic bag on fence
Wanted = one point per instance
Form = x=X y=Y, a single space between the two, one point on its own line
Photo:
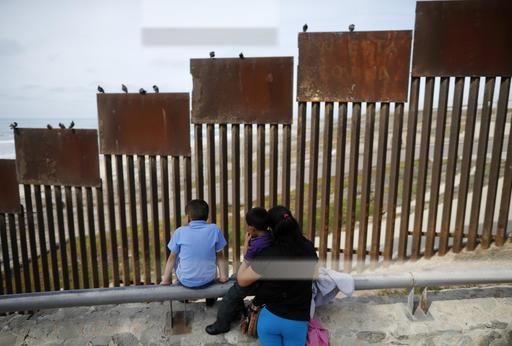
x=317 y=335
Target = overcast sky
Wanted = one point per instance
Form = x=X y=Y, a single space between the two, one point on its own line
x=54 y=53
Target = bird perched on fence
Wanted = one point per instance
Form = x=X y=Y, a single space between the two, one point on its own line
x=124 y=88
x=71 y=125
x=62 y=126
x=241 y=55
x=212 y=54
x=100 y=89
x=142 y=91
x=49 y=127
x=351 y=27
x=14 y=126
x=304 y=28
x=155 y=89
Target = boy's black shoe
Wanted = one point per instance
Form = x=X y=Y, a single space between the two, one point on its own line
x=213 y=329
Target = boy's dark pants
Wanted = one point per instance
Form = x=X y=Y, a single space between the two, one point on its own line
x=232 y=304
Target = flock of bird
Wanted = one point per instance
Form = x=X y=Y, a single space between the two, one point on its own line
x=142 y=91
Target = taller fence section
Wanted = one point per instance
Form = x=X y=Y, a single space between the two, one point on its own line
x=242 y=92
x=458 y=45
x=55 y=166
x=140 y=132
x=11 y=212
x=358 y=71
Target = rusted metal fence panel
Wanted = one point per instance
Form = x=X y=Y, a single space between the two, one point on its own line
x=9 y=188
x=150 y=124
x=242 y=91
x=362 y=68
x=462 y=38
x=354 y=66
x=57 y=157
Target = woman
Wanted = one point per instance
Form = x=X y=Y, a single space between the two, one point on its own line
x=285 y=270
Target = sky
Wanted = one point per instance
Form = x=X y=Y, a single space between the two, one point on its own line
x=54 y=53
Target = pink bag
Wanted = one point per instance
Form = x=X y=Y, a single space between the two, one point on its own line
x=317 y=335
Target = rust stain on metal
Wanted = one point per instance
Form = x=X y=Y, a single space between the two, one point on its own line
x=57 y=157
x=366 y=66
x=150 y=124
x=9 y=188
x=242 y=91
x=463 y=38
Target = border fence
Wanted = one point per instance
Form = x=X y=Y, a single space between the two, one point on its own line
x=368 y=181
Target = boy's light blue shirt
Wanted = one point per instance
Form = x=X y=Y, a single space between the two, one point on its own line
x=196 y=246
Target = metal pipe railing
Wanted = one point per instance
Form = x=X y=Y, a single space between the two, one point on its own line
x=134 y=294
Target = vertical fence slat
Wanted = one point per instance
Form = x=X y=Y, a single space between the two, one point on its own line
x=133 y=218
x=42 y=237
x=497 y=146
x=451 y=165
x=70 y=215
x=92 y=237
x=5 y=255
x=223 y=176
x=469 y=133
x=481 y=158
x=62 y=237
x=212 y=186
x=248 y=167
x=339 y=183
x=300 y=164
x=260 y=167
x=501 y=232
x=176 y=205
x=24 y=252
x=421 y=183
x=188 y=178
x=326 y=180
x=286 y=173
x=235 y=193
x=366 y=184
x=141 y=162
x=155 y=219
x=164 y=172
x=102 y=235
x=313 y=170
x=2 y=274
x=32 y=238
x=410 y=149
x=112 y=220
x=122 y=217
x=81 y=236
x=274 y=149
x=437 y=166
x=198 y=141
x=14 y=253
x=355 y=130
x=51 y=236
x=394 y=174
x=379 y=181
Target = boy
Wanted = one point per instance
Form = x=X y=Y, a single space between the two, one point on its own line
x=196 y=250
x=257 y=238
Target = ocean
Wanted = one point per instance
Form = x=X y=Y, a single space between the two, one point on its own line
x=7 y=138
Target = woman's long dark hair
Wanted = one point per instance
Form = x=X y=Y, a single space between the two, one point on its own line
x=286 y=230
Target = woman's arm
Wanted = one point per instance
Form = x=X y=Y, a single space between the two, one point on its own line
x=246 y=276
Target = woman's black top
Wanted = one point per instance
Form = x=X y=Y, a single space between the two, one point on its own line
x=285 y=286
